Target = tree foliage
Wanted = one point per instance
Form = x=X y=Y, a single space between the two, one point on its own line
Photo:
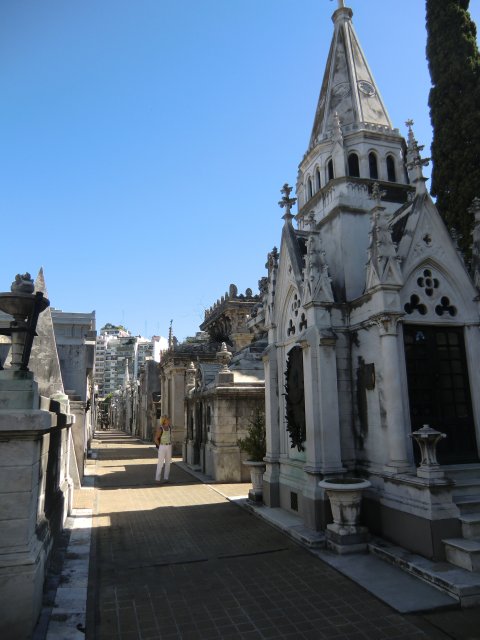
x=454 y=64
x=255 y=444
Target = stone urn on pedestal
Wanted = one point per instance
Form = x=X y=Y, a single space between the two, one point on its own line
x=254 y=444
x=345 y=535
x=25 y=306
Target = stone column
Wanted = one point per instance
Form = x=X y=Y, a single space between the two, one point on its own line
x=176 y=402
x=271 y=477
x=323 y=448
x=393 y=396
x=24 y=532
x=321 y=402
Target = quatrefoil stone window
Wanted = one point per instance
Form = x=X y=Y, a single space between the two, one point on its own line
x=428 y=282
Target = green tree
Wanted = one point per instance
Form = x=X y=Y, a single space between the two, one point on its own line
x=255 y=444
x=454 y=64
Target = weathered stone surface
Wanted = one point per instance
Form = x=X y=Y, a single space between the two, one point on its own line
x=44 y=359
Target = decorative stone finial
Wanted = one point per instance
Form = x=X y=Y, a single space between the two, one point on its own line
x=474 y=210
x=22 y=284
x=415 y=162
x=311 y=222
x=377 y=194
x=224 y=356
x=337 y=134
x=427 y=440
x=190 y=376
x=272 y=260
x=286 y=202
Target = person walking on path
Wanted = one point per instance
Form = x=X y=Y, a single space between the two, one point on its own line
x=163 y=438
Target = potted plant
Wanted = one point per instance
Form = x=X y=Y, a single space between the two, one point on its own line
x=255 y=446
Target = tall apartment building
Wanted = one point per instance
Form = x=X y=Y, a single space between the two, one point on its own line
x=150 y=349
x=116 y=350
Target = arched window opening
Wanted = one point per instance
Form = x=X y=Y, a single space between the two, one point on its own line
x=353 y=166
x=319 y=182
x=330 y=175
x=373 y=166
x=392 y=176
x=310 y=188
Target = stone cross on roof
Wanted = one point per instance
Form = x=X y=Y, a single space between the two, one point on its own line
x=287 y=202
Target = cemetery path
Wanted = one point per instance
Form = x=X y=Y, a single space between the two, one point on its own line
x=180 y=561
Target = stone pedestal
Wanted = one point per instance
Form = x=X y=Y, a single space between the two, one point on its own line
x=257 y=469
x=24 y=534
x=418 y=513
x=345 y=535
x=271 y=483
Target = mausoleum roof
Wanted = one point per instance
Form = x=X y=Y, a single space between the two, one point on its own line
x=348 y=87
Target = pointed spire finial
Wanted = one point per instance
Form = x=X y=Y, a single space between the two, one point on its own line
x=474 y=209
x=415 y=162
x=287 y=202
x=311 y=222
x=377 y=194
x=337 y=128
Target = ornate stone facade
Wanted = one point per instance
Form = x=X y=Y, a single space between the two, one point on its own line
x=372 y=320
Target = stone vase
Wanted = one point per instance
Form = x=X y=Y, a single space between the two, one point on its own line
x=257 y=469
x=345 y=495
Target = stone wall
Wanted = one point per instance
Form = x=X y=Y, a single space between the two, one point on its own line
x=35 y=495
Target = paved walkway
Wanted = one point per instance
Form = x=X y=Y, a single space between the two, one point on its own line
x=181 y=561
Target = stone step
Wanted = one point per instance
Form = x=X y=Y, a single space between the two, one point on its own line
x=460 y=472
x=464 y=487
x=468 y=504
x=470 y=525
x=463 y=553
x=461 y=584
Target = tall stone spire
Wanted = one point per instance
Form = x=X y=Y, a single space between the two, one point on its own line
x=348 y=87
x=44 y=360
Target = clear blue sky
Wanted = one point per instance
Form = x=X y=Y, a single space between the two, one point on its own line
x=143 y=143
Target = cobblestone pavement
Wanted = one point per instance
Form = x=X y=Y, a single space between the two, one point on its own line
x=179 y=561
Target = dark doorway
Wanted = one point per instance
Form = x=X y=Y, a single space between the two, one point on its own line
x=439 y=390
